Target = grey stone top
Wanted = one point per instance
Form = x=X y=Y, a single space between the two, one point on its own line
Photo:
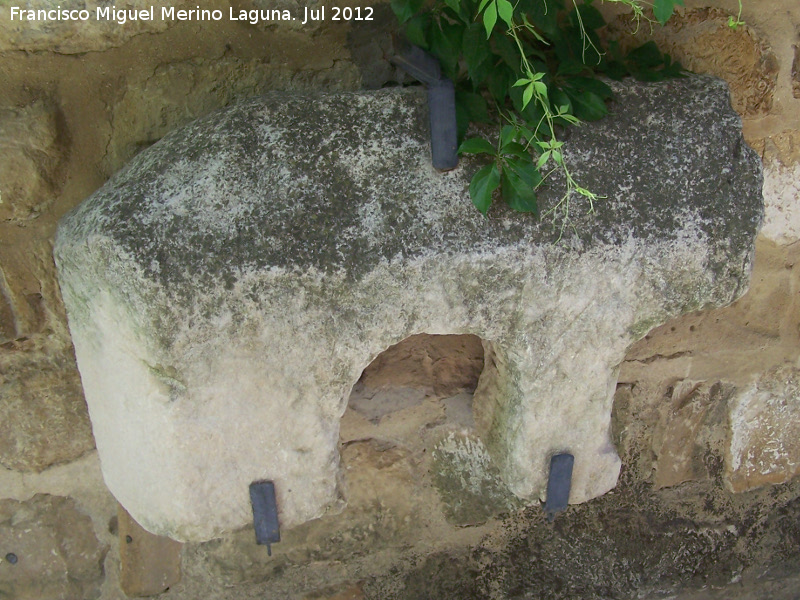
x=227 y=288
x=340 y=182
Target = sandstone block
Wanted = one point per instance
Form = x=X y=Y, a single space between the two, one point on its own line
x=75 y=36
x=702 y=40
x=149 y=564
x=693 y=424
x=175 y=94
x=30 y=153
x=43 y=416
x=226 y=290
x=56 y=553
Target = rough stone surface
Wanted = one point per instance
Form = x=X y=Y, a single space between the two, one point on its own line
x=468 y=482
x=345 y=592
x=76 y=36
x=765 y=431
x=440 y=364
x=58 y=554
x=695 y=416
x=8 y=322
x=796 y=73
x=27 y=282
x=295 y=7
x=30 y=153
x=149 y=564
x=227 y=288
x=43 y=416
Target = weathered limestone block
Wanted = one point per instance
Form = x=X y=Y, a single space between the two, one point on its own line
x=781 y=157
x=227 y=288
x=765 y=431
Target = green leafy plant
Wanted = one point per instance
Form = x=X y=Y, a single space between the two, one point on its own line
x=735 y=22
x=532 y=67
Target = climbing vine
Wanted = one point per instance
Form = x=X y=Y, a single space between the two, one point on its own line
x=532 y=67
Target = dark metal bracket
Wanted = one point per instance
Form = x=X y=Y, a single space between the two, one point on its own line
x=265 y=514
x=559 y=484
x=441 y=103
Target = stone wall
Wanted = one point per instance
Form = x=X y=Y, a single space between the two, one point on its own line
x=706 y=414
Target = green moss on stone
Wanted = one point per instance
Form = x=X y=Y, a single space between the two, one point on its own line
x=469 y=484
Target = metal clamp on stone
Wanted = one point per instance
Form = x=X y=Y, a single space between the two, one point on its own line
x=441 y=103
x=559 y=484
x=265 y=514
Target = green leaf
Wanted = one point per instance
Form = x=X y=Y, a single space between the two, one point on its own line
x=646 y=55
x=674 y=69
x=528 y=94
x=518 y=185
x=543 y=158
x=477 y=145
x=662 y=9
x=590 y=84
x=570 y=67
x=525 y=170
x=527 y=134
x=560 y=101
x=405 y=9
x=490 y=18
x=590 y=17
x=507 y=50
x=506 y=11
x=475 y=105
x=483 y=185
x=587 y=106
x=416 y=30
x=445 y=44
x=462 y=121
x=477 y=53
x=499 y=83
x=507 y=135
x=516 y=149
x=543 y=14
x=455 y=5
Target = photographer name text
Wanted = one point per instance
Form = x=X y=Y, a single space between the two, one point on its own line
x=170 y=13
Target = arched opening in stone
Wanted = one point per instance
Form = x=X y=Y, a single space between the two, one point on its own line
x=438 y=368
x=408 y=440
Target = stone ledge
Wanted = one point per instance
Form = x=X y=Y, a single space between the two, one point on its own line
x=227 y=288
